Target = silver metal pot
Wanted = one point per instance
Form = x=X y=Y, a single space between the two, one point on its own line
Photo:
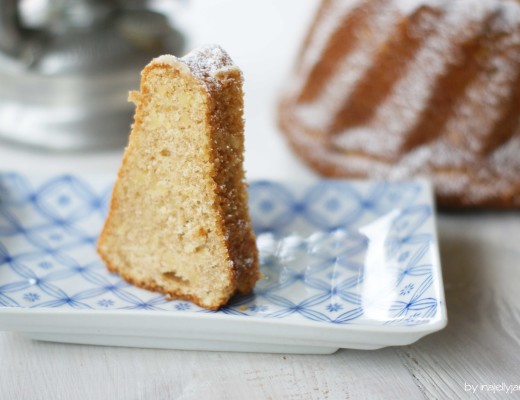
x=64 y=85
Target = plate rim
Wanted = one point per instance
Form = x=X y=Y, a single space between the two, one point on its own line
x=15 y=315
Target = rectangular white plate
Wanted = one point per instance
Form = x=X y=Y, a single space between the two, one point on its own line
x=346 y=264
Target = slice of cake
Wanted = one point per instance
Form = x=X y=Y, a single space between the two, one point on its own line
x=178 y=220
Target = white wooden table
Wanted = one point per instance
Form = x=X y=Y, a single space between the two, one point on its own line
x=480 y=262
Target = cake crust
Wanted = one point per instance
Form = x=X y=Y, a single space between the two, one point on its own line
x=178 y=221
x=400 y=89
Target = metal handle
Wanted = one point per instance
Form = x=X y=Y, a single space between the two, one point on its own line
x=67 y=14
x=10 y=31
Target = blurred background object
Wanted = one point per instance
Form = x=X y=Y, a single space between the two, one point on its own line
x=66 y=67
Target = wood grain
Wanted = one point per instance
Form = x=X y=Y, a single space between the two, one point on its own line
x=481 y=267
x=480 y=255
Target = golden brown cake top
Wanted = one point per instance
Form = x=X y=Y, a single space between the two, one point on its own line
x=205 y=63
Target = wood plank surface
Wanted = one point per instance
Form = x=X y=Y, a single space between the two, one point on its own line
x=480 y=262
x=479 y=346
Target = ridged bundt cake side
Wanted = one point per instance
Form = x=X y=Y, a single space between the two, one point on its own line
x=394 y=89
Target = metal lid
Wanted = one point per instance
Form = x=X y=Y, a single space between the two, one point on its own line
x=64 y=86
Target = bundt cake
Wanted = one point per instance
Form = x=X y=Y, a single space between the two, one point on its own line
x=394 y=89
x=178 y=221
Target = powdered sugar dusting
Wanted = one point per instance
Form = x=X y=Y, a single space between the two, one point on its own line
x=511 y=15
x=461 y=158
x=410 y=6
x=318 y=41
x=205 y=63
x=352 y=67
x=401 y=111
x=509 y=8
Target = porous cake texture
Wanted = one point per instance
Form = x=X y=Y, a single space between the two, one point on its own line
x=394 y=89
x=178 y=220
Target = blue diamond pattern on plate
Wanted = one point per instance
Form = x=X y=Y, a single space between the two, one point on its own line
x=339 y=252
